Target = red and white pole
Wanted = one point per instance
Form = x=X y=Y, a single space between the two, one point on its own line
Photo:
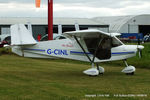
x=50 y=19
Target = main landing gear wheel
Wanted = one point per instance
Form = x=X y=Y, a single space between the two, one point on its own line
x=91 y=72
x=94 y=71
x=130 y=73
x=129 y=70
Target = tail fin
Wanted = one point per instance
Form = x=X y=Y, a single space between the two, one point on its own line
x=20 y=35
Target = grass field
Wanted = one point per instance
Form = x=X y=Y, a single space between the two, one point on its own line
x=44 y=79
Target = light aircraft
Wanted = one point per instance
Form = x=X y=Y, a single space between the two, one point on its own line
x=92 y=46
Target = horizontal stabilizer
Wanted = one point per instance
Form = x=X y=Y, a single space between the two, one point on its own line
x=21 y=36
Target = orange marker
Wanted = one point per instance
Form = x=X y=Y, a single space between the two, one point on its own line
x=38 y=2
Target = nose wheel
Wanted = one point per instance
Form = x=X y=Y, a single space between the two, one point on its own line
x=128 y=70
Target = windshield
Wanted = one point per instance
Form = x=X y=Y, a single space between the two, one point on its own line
x=100 y=47
x=116 y=42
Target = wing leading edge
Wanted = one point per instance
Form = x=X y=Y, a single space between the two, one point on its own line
x=87 y=33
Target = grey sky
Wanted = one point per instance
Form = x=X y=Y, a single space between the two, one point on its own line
x=74 y=8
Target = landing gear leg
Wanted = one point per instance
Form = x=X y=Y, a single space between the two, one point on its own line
x=100 y=69
x=128 y=70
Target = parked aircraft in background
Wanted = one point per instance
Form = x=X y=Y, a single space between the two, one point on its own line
x=92 y=46
x=59 y=36
x=56 y=36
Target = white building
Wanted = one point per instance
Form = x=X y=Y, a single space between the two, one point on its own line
x=121 y=24
x=127 y=24
x=40 y=26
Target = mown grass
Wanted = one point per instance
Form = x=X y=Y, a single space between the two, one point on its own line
x=45 y=79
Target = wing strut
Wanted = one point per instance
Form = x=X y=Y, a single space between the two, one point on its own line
x=91 y=60
x=92 y=71
x=83 y=49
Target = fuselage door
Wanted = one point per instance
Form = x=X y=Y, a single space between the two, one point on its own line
x=100 y=47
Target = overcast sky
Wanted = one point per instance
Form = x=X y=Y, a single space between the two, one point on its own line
x=74 y=8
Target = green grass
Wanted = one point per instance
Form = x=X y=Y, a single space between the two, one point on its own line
x=36 y=79
x=45 y=79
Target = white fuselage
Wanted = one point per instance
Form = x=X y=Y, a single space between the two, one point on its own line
x=70 y=49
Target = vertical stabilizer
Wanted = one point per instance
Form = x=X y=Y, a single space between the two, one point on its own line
x=20 y=35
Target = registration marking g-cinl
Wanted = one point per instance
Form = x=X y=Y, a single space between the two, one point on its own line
x=57 y=52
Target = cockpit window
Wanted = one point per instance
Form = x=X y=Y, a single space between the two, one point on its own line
x=106 y=43
x=100 y=47
x=115 y=42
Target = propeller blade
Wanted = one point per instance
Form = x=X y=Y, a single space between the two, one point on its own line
x=140 y=53
x=139 y=48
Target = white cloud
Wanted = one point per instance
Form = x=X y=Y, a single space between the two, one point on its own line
x=84 y=11
x=75 y=8
x=21 y=10
x=143 y=8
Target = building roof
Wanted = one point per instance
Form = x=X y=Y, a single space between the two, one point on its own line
x=43 y=21
x=116 y=22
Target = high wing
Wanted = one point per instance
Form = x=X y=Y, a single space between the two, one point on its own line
x=96 y=42
x=86 y=33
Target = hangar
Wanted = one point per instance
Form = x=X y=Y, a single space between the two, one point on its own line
x=120 y=24
x=127 y=24
x=40 y=27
